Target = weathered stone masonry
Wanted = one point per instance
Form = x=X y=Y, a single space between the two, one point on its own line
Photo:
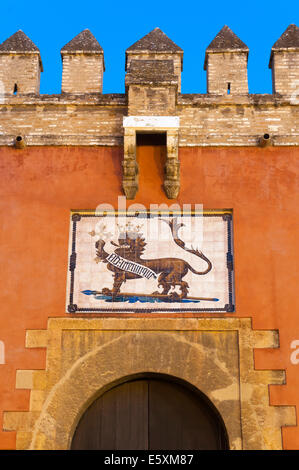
x=226 y=116
x=81 y=115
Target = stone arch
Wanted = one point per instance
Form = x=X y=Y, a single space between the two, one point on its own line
x=126 y=356
x=187 y=406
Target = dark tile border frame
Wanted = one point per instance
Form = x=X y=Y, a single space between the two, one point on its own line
x=226 y=214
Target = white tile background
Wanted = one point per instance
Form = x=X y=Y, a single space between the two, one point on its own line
x=90 y=275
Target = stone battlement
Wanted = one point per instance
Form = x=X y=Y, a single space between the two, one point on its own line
x=226 y=115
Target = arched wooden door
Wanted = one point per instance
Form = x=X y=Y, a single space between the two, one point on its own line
x=150 y=414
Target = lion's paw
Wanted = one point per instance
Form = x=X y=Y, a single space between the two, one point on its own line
x=106 y=291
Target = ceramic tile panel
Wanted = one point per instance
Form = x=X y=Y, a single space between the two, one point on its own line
x=150 y=262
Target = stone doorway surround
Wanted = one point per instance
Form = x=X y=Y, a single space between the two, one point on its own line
x=168 y=124
x=86 y=357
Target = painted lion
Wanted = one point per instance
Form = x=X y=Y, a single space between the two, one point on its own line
x=170 y=271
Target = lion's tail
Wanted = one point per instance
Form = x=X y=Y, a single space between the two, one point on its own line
x=202 y=256
x=174 y=227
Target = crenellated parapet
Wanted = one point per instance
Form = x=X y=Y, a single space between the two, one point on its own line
x=284 y=62
x=226 y=64
x=82 y=65
x=20 y=65
x=157 y=46
x=226 y=60
x=227 y=115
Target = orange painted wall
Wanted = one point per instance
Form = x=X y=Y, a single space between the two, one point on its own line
x=40 y=185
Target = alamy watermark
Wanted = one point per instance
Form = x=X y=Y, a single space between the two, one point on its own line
x=153 y=223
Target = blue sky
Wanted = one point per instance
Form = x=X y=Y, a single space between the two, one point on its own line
x=118 y=24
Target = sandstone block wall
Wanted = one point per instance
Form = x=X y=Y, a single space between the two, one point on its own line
x=227 y=73
x=205 y=120
x=285 y=73
x=176 y=59
x=226 y=116
x=82 y=73
x=158 y=101
x=20 y=70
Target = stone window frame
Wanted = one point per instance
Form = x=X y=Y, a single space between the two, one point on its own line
x=168 y=124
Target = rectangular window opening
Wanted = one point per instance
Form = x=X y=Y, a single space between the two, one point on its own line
x=152 y=139
x=228 y=88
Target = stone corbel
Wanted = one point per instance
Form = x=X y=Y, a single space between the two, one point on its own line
x=172 y=166
x=130 y=166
